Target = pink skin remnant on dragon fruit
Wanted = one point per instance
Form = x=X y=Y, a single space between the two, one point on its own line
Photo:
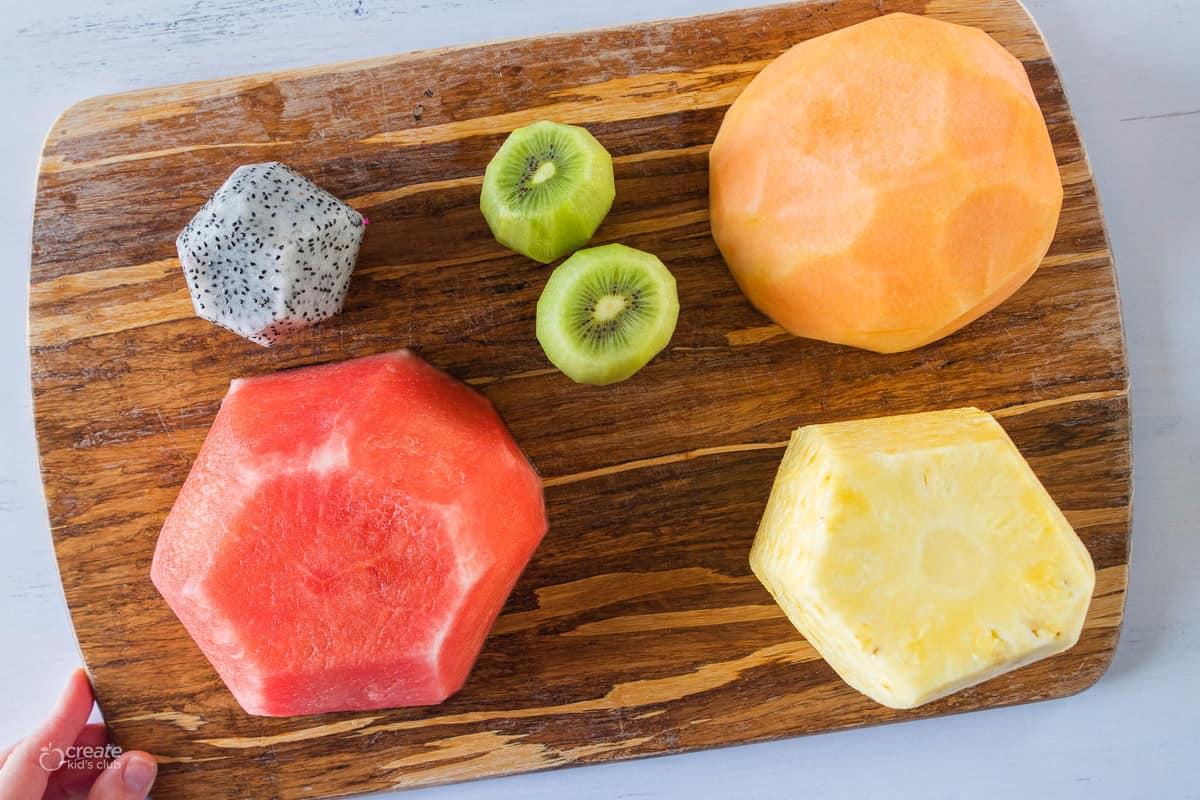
x=270 y=253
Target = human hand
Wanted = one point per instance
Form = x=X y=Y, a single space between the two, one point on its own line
x=68 y=759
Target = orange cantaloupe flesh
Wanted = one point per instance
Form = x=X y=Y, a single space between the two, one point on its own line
x=886 y=184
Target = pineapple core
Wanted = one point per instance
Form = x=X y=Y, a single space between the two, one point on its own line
x=919 y=554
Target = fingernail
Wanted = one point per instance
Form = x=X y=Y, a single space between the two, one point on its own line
x=139 y=774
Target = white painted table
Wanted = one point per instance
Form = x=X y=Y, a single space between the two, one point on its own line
x=1132 y=71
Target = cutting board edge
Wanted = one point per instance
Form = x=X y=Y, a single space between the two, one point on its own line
x=368 y=62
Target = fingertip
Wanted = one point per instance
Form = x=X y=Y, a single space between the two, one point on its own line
x=129 y=777
x=138 y=771
x=78 y=693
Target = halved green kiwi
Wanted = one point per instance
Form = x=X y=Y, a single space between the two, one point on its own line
x=547 y=189
x=605 y=312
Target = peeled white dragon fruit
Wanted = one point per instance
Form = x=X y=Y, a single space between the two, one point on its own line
x=270 y=253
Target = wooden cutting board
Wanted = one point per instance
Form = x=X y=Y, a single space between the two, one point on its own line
x=638 y=628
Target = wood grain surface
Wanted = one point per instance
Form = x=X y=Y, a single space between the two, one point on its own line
x=637 y=628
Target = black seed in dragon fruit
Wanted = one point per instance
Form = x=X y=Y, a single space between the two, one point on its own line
x=270 y=253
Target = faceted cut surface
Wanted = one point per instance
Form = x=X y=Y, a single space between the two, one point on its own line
x=269 y=253
x=920 y=554
x=347 y=535
x=883 y=185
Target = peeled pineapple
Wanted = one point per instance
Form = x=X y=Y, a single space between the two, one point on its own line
x=919 y=554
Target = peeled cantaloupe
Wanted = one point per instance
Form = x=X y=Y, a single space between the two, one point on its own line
x=883 y=185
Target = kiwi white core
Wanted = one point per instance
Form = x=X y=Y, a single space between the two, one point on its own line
x=609 y=307
x=544 y=173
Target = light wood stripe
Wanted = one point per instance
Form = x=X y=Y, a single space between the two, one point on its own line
x=299 y=735
x=364 y=202
x=647 y=715
x=1088 y=517
x=636 y=227
x=46 y=330
x=161 y=759
x=188 y=722
x=1076 y=173
x=55 y=164
x=676 y=620
x=658 y=461
x=1017 y=409
x=455 y=748
x=462 y=756
x=1064 y=259
x=110 y=112
x=516 y=376
x=747 y=336
x=616 y=100
x=66 y=287
x=658 y=155
x=1108 y=599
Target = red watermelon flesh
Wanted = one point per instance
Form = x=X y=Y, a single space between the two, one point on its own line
x=347 y=535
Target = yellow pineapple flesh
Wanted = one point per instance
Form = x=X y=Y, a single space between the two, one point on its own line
x=919 y=554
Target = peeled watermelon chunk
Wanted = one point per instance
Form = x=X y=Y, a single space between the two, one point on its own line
x=347 y=535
